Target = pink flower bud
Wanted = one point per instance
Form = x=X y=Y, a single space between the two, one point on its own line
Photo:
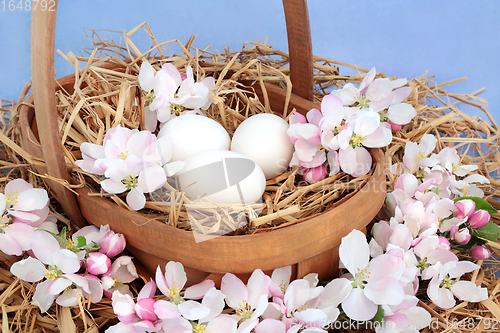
x=314 y=175
x=145 y=309
x=98 y=263
x=112 y=244
x=480 y=252
x=444 y=243
x=461 y=236
x=479 y=219
x=395 y=127
x=465 y=208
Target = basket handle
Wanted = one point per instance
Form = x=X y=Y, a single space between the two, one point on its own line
x=43 y=28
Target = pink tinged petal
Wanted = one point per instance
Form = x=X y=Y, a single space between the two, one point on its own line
x=479 y=219
x=173 y=168
x=112 y=244
x=381 y=137
x=41 y=299
x=282 y=275
x=199 y=290
x=442 y=297
x=95 y=288
x=24 y=217
x=44 y=245
x=31 y=199
x=381 y=232
x=146 y=76
x=151 y=178
x=355 y=161
x=92 y=151
x=17 y=185
x=111 y=186
x=347 y=94
x=138 y=142
x=333 y=108
x=150 y=119
x=408 y=183
x=456 y=269
x=123 y=307
x=297 y=117
x=384 y=291
x=57 y=286
x=235 y=290
x=165 y=148
x=10 y=246
x=223 y=323
x=175 y=274
x=318 y=159
x=144 y=309
x=465 y=208
x=314 y=116
x=66 y=260
x=69 y=298
x=358 y=307
x=476 y=179
x=333 y=162
x=29 y=269
x=401 y=236
x=313 y=317
x=335 y=292
x=401 y=114
x=367 y=79
x=367 y=121
x=136 y=199
x=296 y=295
x=354 y=251
x=173 y=72
x=97 y=263
x=247 y=326
x=314 y=175
x=468 y=291
x=401 y=93
x=270 y=326
x=161 y=281
x=193 y=310
x=213 y=300
x=177 y=325
x=166 y=310
x=148 y=291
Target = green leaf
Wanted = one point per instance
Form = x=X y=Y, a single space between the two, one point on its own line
x=379 y=316
x=480 y=204
x=81 y=242
x=490 y=231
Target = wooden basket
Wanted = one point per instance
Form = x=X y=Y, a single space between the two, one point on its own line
x=311 y=245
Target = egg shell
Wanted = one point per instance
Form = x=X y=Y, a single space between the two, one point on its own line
x=222 y=176
x=194 y=133
x=263 y=138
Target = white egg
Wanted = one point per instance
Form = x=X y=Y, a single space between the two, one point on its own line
x=263 y=138
x=222 y=176
x=193 y=133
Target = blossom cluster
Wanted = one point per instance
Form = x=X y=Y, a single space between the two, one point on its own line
x=68 y=266
x=130 y=160
x=171 y=93
x=136 y=161
x=78 y=266
x=350 y=119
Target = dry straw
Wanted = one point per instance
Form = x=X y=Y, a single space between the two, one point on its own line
x=107 y=94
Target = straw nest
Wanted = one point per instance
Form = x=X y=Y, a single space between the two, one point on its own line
x=110 y=97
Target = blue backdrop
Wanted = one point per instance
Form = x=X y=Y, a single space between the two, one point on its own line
x=449 y=38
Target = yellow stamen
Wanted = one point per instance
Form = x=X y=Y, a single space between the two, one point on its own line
x=11 y=198
x=200 y=328
x=176 y=109
x=124 y=155
x=244 y=311
x=51 y=274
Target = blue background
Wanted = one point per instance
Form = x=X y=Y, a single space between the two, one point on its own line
x=449 y=38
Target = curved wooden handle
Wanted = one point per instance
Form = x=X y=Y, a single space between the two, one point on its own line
x=43 y=27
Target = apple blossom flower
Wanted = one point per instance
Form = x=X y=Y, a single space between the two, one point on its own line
x=249 y=301
x=444 y=286
x=97 y=263
x=373 y=282
x=465 y=208
x=417 y=154
x=479 y=219
x=314 y=175
x=431 y=257
x=480 y=252
x=122 y=271
x=331 y=122
x=405 y=317
x=24 y=202
x=460 y=236
x=112 y=244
